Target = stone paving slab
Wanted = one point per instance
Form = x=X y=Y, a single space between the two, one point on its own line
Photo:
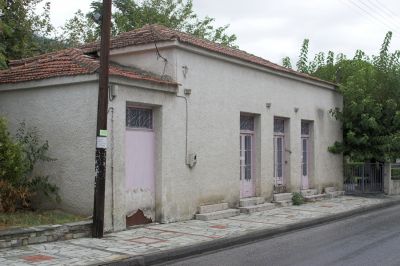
x=158 y=238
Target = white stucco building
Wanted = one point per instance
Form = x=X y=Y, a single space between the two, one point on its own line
x=250 y=124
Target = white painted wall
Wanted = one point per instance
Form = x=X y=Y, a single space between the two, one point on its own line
x=220 y=92
x=65 y=115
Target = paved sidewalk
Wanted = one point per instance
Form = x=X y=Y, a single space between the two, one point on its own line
x=160 y=241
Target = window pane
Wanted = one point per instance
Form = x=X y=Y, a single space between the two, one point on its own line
x=279 y=125
x=305 y=128
x=246 y=123
x=139 y=118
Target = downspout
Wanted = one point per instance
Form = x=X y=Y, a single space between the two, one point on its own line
x=186 y=126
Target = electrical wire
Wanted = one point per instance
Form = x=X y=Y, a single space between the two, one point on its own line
x=384 y=18
x=158 y=51
x=363 y=13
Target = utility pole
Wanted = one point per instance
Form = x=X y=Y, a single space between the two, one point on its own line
x=101 y=130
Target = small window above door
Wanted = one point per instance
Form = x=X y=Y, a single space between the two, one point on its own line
x=246 y=122
x=305 y=128
x=140 y=118
x=279 y=125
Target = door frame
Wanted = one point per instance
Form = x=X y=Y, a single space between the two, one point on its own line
x=281 y=136
x=150 y=130
x=252 y=134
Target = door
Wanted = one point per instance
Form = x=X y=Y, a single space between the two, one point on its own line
x=139 y=165
x=247 y=180
x=278 y=159
x=304 y=162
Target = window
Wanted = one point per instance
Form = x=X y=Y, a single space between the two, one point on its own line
x=305 y=128
x=139 y=118
x=246 y=123
x=279 y=125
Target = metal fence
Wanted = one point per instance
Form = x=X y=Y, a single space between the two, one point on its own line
x=363 y=178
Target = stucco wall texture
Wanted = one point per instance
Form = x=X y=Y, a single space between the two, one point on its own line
x=66 y=117
x=220 y=91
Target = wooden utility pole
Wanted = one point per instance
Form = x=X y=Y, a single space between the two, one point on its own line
x=101 y=130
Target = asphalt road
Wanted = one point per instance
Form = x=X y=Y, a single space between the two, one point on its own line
x=369 y=239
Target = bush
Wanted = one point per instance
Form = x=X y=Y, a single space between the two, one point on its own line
x=297 y=198
x=18 y=158
x=12 y=163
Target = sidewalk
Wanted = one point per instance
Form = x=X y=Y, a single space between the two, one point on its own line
x=158 y=242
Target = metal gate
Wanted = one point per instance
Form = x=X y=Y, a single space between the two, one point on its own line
x=363 y=178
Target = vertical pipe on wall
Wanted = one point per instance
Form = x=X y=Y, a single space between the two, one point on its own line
x=186 y=127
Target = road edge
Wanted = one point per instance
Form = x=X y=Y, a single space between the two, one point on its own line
x=213 y=245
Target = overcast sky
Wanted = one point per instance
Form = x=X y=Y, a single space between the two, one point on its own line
x=274 y=29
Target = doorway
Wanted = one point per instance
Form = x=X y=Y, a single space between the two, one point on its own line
x=247 y=177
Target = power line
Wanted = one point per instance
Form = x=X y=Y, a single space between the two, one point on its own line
x=389 y=11
x=376 y=10
x=363 y=12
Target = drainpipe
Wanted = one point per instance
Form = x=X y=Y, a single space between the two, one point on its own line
x=186 y=127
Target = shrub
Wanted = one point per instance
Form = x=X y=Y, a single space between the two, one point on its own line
x=18 y=158
x=297 y=198
x=12 y=163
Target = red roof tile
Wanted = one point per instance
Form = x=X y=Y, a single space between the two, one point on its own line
x=158 y=33
x=68 y=62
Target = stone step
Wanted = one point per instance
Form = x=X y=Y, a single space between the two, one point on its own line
x=257 y=208
x=283 y=203
x=308 y=192
x=334 y=194
x=217 y=215
x=251 y=201
x=314 y=197
x=330 y=189
x=212 y=207
x=283 y=197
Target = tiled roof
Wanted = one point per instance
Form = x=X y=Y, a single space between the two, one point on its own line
x=158 y=33
x=68 y=62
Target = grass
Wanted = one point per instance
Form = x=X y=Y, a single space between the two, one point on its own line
x=34 y=218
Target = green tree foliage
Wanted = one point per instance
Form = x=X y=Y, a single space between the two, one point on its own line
x=23 y=32
x=130 y=14
x=371 y=95
x=18 y=183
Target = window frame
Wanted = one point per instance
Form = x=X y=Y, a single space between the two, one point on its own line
x=140 y=108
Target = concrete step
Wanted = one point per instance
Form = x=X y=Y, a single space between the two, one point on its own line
x=334 y=194
x=257 y=208
x=217 y=215
x=308 y=192
x=283 y=197
x=283 y=203
x=329 y=189
x=251 y=201
x=212 y=207
x=314 y=197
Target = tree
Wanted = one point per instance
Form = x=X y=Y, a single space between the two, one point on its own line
x=24 y=33
x=130 y=14
x=371 y=93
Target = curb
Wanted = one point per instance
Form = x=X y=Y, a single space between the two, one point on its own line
x=213 y=245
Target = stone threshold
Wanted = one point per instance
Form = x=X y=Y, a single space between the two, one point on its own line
x=23 y=236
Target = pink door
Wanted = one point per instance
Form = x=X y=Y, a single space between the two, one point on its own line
x=247 y=177
x=304 y=162
x=279 y=159
x=139 y=162
x=305 y=154
x=247 y=184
